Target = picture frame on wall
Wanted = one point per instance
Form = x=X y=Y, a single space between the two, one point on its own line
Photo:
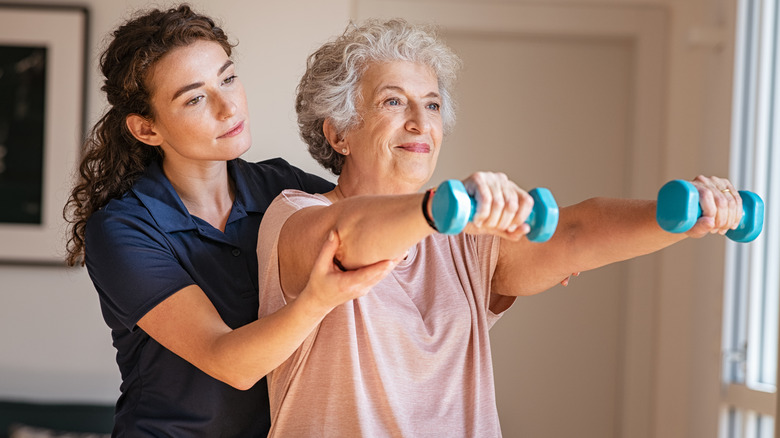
x=42 y=124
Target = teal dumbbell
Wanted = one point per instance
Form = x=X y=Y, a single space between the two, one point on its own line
x=453 y=208
x=678 y=210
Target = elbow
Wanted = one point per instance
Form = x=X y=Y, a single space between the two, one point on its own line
x=237 y=376
x=233 y=366
x=241 y=383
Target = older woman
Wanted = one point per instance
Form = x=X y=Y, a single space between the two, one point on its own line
x=412 y=357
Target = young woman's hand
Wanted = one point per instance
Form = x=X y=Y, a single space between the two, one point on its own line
x=330 y=286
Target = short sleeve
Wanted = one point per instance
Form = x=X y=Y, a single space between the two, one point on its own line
x=287 y=203
x=131 y=265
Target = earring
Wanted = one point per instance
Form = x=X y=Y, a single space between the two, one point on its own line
x=344 y=151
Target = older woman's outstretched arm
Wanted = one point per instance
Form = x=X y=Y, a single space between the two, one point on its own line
x=601 y=231
x=370 y=229
x=384 y=227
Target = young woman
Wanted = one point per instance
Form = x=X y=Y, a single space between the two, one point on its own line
x=165 y=217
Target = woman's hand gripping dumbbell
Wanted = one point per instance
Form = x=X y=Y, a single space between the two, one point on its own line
x=678 y=210
x=452 y=208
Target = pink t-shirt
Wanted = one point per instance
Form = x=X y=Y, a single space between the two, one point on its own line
x=409 y=359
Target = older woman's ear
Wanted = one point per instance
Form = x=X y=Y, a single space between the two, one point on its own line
x=334 y=138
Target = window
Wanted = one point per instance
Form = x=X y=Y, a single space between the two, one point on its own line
x=750 y=335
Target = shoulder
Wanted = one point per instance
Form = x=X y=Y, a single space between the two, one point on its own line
x=277 y=174
x=132 y=261
x=299 y=199
x=278 y=166
x=128 y=211
x=285 y=205
x=120 y=225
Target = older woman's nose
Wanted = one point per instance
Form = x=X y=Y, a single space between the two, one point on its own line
x=419 y=120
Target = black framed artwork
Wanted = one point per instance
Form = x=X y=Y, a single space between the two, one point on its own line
x=42 y=105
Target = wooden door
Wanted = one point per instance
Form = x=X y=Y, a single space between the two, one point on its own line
x=567 y=98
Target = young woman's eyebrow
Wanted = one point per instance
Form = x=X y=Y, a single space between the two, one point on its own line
x=195 y=85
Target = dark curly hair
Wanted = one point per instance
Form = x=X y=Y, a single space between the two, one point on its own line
x=113 y=159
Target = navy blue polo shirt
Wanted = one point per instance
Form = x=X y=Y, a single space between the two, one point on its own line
x=145 y=246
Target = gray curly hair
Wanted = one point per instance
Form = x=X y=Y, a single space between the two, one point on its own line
x=329 y=89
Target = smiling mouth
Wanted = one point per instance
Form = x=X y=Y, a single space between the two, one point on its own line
x=234 y=130
x=422 y=148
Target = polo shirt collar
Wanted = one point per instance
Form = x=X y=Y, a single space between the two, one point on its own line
x=156 y=193
x=240 y=171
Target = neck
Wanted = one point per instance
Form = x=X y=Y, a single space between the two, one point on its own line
x=206 y=190
x=351 y=184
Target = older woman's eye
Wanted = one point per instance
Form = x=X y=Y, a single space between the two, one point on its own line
x=434 y=106
x=393 y=101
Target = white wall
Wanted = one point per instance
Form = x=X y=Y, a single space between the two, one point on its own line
x=54 y=345
x=53 y=342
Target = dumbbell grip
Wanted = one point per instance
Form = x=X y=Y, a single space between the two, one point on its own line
x=453 y=208
x=678 y=210
x=742 y=222
x=530 y=220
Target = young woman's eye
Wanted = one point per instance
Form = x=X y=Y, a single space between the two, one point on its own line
x=230 y=79
x=194 y=100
